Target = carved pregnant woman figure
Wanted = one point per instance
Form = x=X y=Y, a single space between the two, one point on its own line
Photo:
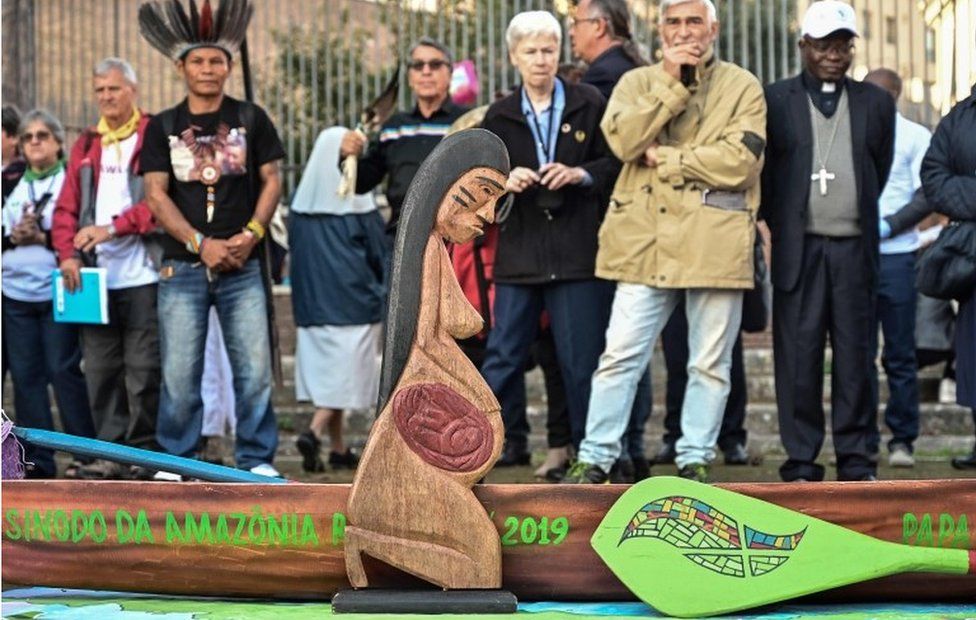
x=439 y=429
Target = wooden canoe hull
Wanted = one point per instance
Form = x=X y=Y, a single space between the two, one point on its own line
x=285 y=541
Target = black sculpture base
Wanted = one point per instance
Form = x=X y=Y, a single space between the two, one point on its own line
x=382 y=601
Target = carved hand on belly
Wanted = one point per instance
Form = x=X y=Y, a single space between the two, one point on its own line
x=442 y=427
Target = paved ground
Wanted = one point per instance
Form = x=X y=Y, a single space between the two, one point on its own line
x=928 y=466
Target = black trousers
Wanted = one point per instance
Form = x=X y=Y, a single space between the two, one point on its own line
x=558 y=434
x=122 y=368
x=674 y=342
x=835 y=296
x=579 y=311
x=557 y=421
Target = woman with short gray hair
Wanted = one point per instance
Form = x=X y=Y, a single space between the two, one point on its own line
x=50 y=122
x=41 y=350
x=561 y=174
x=532 y=24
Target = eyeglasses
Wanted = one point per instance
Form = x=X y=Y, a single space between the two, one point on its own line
x=41 y=136
x=572 y=22
x=418 y=65
x=821 y=46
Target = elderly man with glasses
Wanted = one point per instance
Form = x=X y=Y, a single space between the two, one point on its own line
x=408 y=137
x=829 y=150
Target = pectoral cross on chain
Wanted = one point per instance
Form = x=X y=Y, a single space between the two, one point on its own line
x=823 y=176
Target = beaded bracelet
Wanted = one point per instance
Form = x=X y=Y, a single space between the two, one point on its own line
x=194 y=243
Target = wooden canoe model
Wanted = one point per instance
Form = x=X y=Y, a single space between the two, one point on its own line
x=286 y=540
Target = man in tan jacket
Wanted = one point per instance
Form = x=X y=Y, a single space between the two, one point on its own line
x=691 y=132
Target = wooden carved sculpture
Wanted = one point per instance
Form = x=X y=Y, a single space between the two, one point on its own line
x=439 y=429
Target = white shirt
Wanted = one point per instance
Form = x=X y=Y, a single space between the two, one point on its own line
x=124 y=258
x=27 y=269
x=911 y=143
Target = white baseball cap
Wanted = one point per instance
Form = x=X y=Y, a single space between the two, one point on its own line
x=827 y=16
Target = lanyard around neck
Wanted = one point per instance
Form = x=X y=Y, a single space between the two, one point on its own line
x=547 y=139
x=47 y=192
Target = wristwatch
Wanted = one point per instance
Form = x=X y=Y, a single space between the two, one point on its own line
x=111 y=231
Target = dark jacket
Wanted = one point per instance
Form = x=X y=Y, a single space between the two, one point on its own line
x=789 y=156
x=405 y=140
x=949 y=180
x=910 y=215
x=536 y=245
x=605 y=70
x=949 y=168
x=11 y=176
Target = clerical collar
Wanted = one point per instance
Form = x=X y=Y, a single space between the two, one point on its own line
x=824 y=95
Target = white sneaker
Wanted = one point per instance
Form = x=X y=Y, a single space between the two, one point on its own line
x=167 y=476
x=947 y=391
x=900 y=457
x=266 y=469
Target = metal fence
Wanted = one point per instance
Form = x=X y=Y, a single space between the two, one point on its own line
x=317 y=62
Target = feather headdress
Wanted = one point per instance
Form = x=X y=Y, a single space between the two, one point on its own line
x=168 y=28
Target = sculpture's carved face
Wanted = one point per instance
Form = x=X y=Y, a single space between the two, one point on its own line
x=470 y=204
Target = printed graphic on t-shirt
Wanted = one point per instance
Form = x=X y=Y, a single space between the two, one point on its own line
x=207 y=158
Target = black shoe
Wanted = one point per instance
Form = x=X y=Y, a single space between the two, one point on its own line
x=103 y=469
x=736 y=455
x=138 y=472
x=584 y=473
x=32 y=472
x=556 y=474
x=965 y=462
x=73 y=470
x=622 y=472
x=695 y=471
x=212 y=450
x=513 y=456
x=309 y=446
x=666 y=454
x=642 y=468
x=343 y=460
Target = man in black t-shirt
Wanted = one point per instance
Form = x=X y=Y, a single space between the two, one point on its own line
x=211 y=173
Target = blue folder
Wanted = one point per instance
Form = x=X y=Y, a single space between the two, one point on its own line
x=89 y=304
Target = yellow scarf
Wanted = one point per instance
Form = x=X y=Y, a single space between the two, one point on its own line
x=115 y=136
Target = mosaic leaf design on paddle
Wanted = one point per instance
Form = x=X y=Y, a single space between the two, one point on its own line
x=694 y=526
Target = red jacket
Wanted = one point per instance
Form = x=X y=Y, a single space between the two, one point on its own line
x=462 y=257
x=136 y=220
x=466 y=271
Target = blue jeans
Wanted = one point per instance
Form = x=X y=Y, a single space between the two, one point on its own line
x=43 y=352
x=185 y=298
x=638 y=317
x=640 y=413
x=574 y=307
x=896 y=312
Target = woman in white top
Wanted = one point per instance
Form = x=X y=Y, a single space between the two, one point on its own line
x=41 y=352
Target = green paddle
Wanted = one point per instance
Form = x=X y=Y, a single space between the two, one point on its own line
x=690 y=549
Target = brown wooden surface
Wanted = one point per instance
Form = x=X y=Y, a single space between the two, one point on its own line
x=568 y=571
